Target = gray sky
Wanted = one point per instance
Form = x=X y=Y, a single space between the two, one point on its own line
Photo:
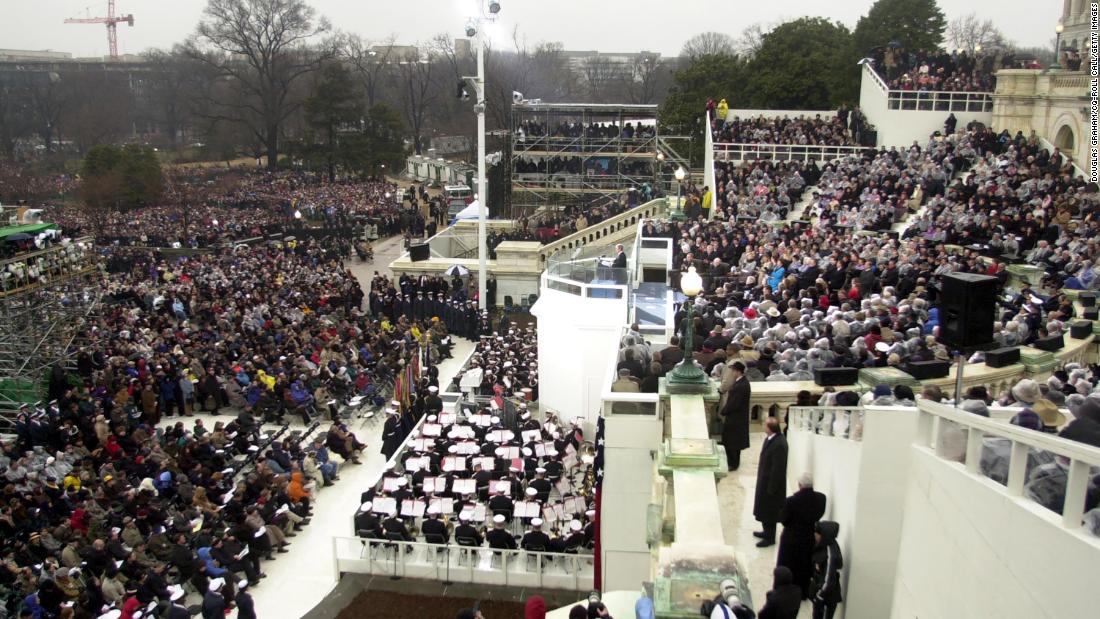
x=607 y=25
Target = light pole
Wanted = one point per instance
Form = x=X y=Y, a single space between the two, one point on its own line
x=1057 y=46
x=475 y=29
x=687 y=377
x=677 y=213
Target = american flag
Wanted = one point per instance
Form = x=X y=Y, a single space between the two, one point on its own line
x=597 y=466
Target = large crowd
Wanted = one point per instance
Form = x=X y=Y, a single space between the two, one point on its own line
x=203 y=208
x=904 y=69
x=848 y=127
x=577 y=129
x=786 y=298
x=114 y=505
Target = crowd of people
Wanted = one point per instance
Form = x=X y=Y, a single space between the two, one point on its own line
x=843 y=129
x=762 y=189
x=503 y=364
x=788 y=298
x=114 y=505
x=201 y=208
x=924 y=70
x=578 y=129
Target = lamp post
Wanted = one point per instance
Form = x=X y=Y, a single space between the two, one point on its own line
x=677 y=213
x=475 y=29
x=687 y=377
x=1057 y=46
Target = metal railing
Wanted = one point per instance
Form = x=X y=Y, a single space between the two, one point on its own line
x=839 y=421
x=728 y=151
x=1060 y=483
x=932 y=100
x=453 y=563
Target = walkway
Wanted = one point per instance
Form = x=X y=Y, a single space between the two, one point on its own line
x=736 y=492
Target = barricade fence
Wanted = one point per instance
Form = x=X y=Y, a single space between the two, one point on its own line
x=455 y=563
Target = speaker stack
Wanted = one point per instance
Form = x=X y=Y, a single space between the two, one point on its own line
x=833 y=377
x=1001 y=357
x=419 y=251
x=967 y=302
x=1080 y=329
x=924 y=370
x=1050 y=343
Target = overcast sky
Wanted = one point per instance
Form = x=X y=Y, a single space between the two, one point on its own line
x=607 y=25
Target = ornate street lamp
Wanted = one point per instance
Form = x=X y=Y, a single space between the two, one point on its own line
x=688 y=377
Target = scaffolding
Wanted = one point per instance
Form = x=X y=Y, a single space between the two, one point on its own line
x=582 y=154
x=46 y=299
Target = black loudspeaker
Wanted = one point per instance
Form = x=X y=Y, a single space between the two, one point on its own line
x=832 y=377
x=1080 y=329
x=1001 y=357
x=923 y=370
x=967 y=301
x=1091 y=313
x=418 y=252
x=1050 y=343
x=1087 y=299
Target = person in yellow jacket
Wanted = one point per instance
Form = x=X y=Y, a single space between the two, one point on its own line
x=708 y=201
x=266 y=379
x=722 y=110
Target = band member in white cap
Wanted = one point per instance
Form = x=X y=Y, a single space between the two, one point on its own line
x=499 y=537
x=213 y=604
x=501 y=503
x=243 y=601
x=541 y=485
x=435 y=527
x=177 y=610
x=433 y=405
x=535 y=539
x=367 y=523
x=573 y=538
x=391 y=433
x=467 y=534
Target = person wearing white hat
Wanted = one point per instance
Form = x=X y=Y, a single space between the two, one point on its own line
x=541 y=485
x=571 y=541
x=536 y=540
x=433 y=404
x=391 y=433
x=246 y=609
x=366 y=522
x=213 y=604
x=499 y=537
x=177 y=610
x=434 y=527
x=466 y=534
x=501 y=503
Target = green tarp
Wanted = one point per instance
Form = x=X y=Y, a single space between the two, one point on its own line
x=31 y=229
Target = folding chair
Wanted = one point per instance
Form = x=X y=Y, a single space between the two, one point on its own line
x=469 y=548
x=534 y=552
x=438 y=540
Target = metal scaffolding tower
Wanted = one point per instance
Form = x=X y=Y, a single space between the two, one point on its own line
x=46 y=299
x=583 y=154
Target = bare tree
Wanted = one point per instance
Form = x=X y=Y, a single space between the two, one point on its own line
x=709 y=44
x=752 y=37
x=417 y=91
x=598 y=74
x=372 y=62
x=647 y=78
x=969 y=31
x=258 y=49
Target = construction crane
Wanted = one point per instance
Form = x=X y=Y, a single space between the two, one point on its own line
x=112 y=22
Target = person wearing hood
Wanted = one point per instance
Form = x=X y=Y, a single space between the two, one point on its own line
x=1085 y=428
x=535 y=608
x=785 y=598
x=827 y=563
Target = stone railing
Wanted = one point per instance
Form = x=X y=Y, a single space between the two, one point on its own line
x=936 y=419
x=777 y=397
x=599 y=232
